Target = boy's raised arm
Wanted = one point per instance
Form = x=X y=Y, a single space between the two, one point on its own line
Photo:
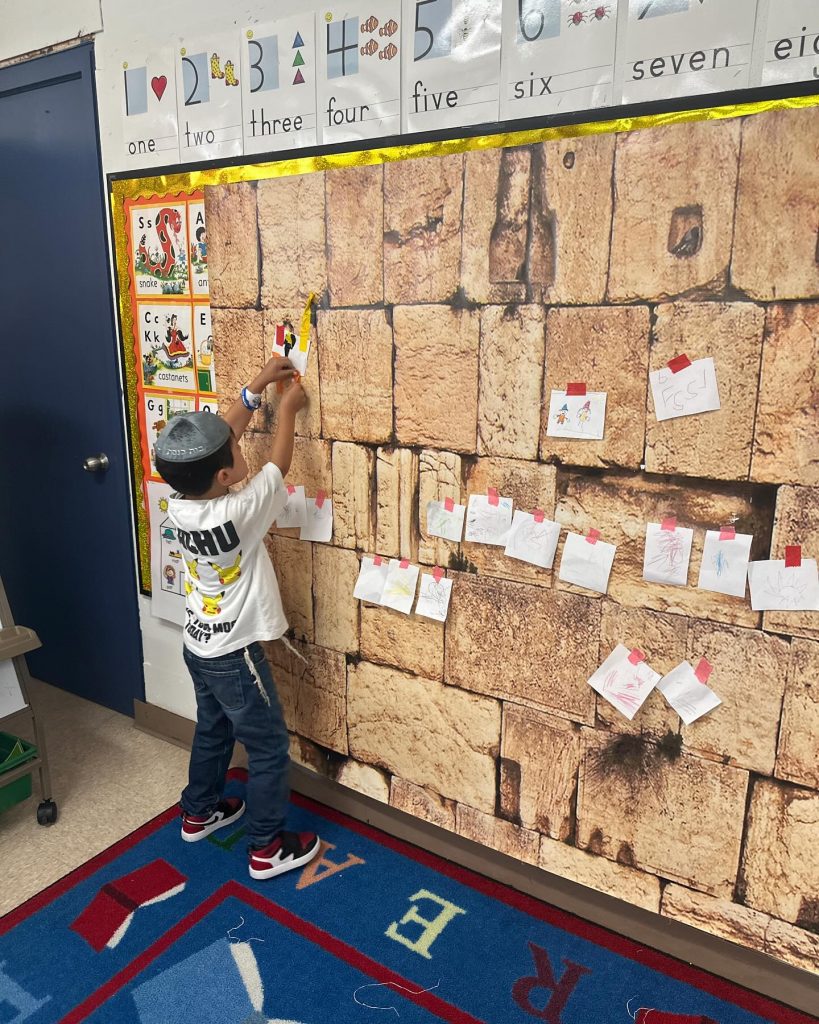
x=241 y=412
x=281 y=452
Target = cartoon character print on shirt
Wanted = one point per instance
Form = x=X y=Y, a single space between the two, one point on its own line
x=228 y=574
x=210 y=605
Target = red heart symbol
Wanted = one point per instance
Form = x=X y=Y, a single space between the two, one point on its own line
x=159 y=85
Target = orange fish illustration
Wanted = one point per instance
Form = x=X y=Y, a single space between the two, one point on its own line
x=370 y=25
x=369 y=49
x=388 y=52
x=389 y=29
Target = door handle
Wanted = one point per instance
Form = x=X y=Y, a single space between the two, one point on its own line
x=96 y=463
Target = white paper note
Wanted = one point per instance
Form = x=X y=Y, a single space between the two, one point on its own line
x=433 y=597
x=319 y=525
x=777 y=587
x=690 y=698
x=667 y=554
x=687 y=392
x=11 y=696
x=279 y=84
x=582 y=417
x=487 y=523
x=624 y=685
x=294 y=513
x=371 y=580
x=725 y=563
x=443 y=523
x=585 y=564
x=532 y=541
x=287 y=343
x=399 y=587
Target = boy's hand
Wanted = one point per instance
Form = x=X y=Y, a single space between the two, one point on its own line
x=294 y=398
x=277 y=368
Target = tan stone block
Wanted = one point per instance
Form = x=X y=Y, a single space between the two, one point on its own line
x=355 y=356
x=575 y=206
x=422 y=803
x=620 y=505
x=607 y=348
x=436 y=376
x=511 y=373
x=779 y=869
x=238 y=346
x=233 y=253
x=389 y=716
x=777 y=213
x=292 y=235
x=635 y=887
x=355 y=235
x=797 y=757
x=313 y=692
x=335 y=571
x=422 y=228
x=715 y=444
x=312 y=466
x=396 y=486
x=409 y=642
x=662 y=638
x=530 y=485
x=293 y=562
x=740 y=731
x=642 y=821
x=256 y=449
x=439 y=477
x=795 y=946
x=786 y=447
x=523 y=644
x=796 y=522
x=540 y=757
x=492 y=832
x=353 y=525
x=308 y=419
x=674 y=210
x=363 y=778
x=494 y=255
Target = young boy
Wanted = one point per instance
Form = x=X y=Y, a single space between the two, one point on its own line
x=233 y=603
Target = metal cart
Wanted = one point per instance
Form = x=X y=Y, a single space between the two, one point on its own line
x=15 y=642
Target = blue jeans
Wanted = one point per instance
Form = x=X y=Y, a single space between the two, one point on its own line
x=235 y=703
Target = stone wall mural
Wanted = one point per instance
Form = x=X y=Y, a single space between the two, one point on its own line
x=454 y=293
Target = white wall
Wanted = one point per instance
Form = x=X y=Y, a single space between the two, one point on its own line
x=37 y=24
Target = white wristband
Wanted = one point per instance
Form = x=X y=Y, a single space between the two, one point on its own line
x=250 y=400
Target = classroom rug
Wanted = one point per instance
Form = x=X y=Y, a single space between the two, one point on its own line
x=157 y=931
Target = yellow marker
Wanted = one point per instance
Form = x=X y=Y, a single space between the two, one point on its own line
x=304 y=333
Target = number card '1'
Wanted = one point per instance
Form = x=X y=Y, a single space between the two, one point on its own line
x=147 y=119
x=209 y=97
x=279 y=84
x=358 y=49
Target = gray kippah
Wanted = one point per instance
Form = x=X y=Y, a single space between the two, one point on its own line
x=192 y=436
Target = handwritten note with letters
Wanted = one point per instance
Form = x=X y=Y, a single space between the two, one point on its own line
x=686 y=392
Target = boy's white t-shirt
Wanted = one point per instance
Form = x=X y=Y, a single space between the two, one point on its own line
x=232 y=592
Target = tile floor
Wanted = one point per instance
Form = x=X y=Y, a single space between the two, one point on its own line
x=108 y=778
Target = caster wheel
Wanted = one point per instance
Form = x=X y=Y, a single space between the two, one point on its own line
x=47 y=813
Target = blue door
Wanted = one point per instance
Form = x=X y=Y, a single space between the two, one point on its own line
x=66 y=554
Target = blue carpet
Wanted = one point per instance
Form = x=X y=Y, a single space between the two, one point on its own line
x=157 y=931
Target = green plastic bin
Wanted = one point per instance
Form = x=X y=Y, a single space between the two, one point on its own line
x=14 y=752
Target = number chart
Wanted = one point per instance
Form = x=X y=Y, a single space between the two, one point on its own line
x=358 y=50
x=451 y=63
x=209 y=97
x=279 y=85
x=557 y=56
x=167 y=312
x=144 y=91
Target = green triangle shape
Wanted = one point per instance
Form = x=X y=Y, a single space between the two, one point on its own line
x=299 y=60
x=298 y=41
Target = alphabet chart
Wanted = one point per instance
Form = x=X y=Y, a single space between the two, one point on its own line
x=141 y=88
x=167 y=311
x=686 y=47
x=451 y=63
x=358 y=51
x=556 y=56
x=209 y=97
x=279 y=85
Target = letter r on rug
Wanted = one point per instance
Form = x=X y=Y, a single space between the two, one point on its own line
x=431 y=929
x=561 y=990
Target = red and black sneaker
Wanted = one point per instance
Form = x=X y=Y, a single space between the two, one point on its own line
x=288 y=851
x=198 y=826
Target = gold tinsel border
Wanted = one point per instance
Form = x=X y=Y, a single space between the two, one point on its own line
x=192 y=181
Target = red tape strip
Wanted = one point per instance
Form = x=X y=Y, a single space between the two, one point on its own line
x=291 y=489
x=669 y=523
x=437 y=573
x=576 y=388
x=727 y=533
x=449 y=504
x=593 y=536
x=703 y=670
x=679 y=363
x=320 y=499
x=793 y=556
x=636 y=656
x=538 y=515
x=492 y=494
x=377 y=560
x=404 y=563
